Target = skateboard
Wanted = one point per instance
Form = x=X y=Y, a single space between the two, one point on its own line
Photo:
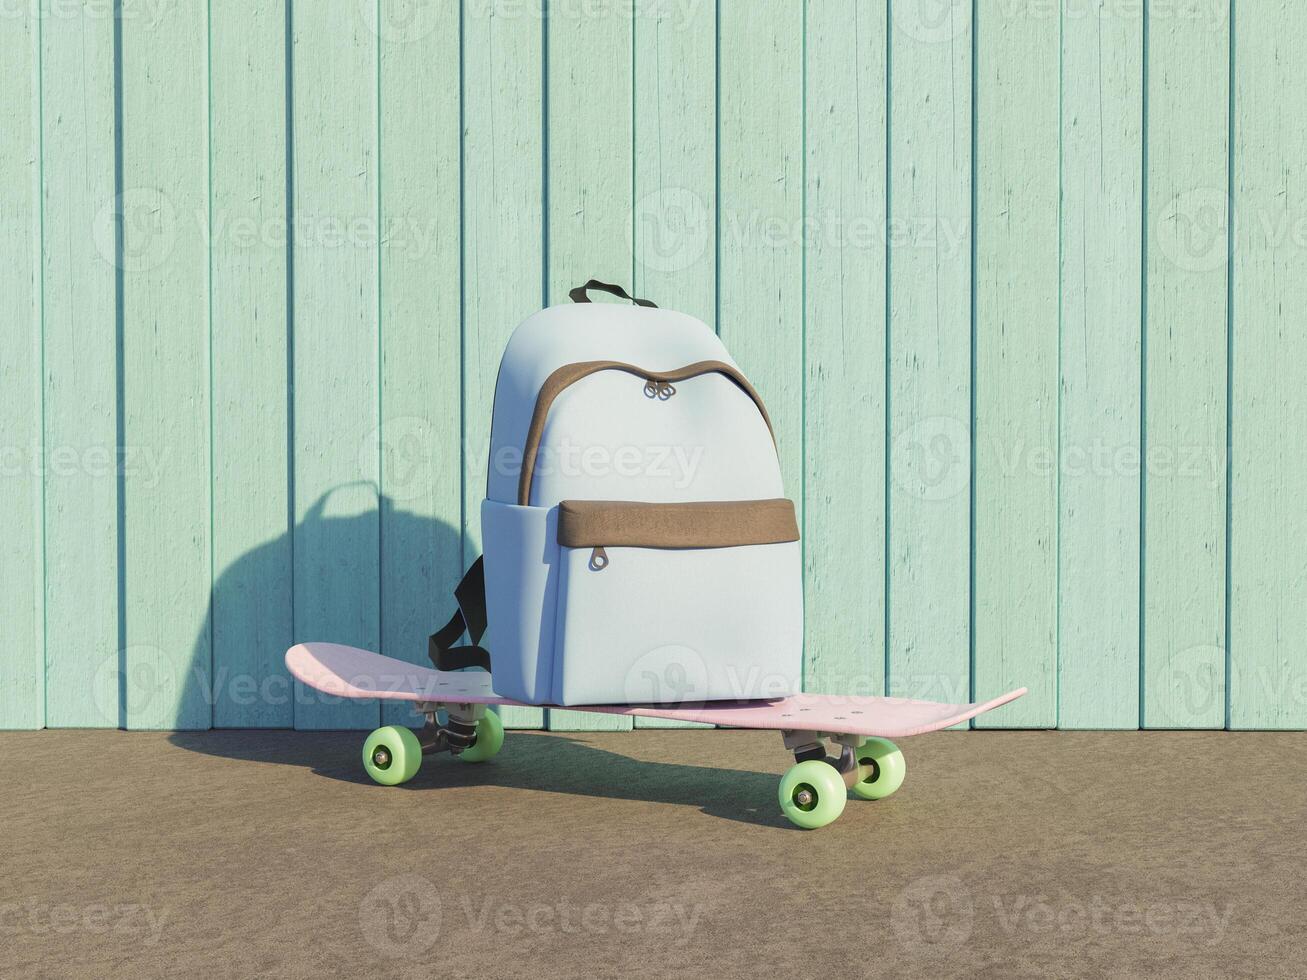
x=813 y=726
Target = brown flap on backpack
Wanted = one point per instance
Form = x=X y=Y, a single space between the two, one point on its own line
x=701 y=524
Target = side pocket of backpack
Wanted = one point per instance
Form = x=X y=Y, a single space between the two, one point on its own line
x=522 y=572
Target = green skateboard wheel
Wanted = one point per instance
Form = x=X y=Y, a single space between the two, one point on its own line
x=490 y=739
x=887 y=769
x=392 y=755
x=812 y=794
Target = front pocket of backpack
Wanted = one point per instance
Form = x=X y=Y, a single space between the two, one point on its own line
x=677 y=603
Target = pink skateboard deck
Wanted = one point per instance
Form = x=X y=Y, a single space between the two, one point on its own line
x=811 y=794
x=353 y=673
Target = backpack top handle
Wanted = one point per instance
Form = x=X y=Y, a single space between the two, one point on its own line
x=578 y=295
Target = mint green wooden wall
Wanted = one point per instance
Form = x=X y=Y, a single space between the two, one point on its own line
x=261 y=258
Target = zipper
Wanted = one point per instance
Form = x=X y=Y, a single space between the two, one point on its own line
x=598 y=559
x=657 y=384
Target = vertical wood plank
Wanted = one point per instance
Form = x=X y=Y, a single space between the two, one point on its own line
x=22 y=628
x=1268 y=530
x=165 y=197
x=929 y=351
x=675 y=181
x=675 y=139
x=760 y=211
x=334 y=133
x=503 y=228
x=844 y=386
x=1016 y=361
x=79 y=272
x=251 y=612
x=590 y=172
x=419 y=438
x=1184 y=356
x=1099 y=519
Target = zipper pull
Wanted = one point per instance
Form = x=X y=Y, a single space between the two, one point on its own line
x=598 y=559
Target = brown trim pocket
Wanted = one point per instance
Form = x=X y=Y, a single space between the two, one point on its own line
x=701 y=524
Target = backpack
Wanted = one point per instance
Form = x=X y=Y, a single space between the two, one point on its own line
x=637 y=544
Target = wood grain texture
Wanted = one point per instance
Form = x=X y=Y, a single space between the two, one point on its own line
x=590 y=167
x=675 y=158
x=929 y=352
x=1268 y=529
x=1185 y=373
x=503 y=230
x=1016 y=362
x=336 y=396
x=844 y=384
x=22 y=626
x=1101 y=315
x=251 y=616
x=78 y=272
x=1008 y=441
x=419 y=437
x=164 y=259
x=760 y=212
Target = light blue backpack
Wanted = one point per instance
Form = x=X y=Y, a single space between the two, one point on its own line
x=637 y=544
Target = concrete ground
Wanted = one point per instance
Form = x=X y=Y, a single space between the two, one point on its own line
x=654 y=853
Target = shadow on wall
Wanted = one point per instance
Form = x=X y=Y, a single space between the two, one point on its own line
x=380 y=577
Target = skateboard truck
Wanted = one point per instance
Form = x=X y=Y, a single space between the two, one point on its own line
x=457 y=734
x=808 y=746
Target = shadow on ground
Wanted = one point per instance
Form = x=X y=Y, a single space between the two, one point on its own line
x=541 y=761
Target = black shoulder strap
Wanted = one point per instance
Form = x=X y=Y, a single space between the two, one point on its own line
x=579 y=295
x=470 y=616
